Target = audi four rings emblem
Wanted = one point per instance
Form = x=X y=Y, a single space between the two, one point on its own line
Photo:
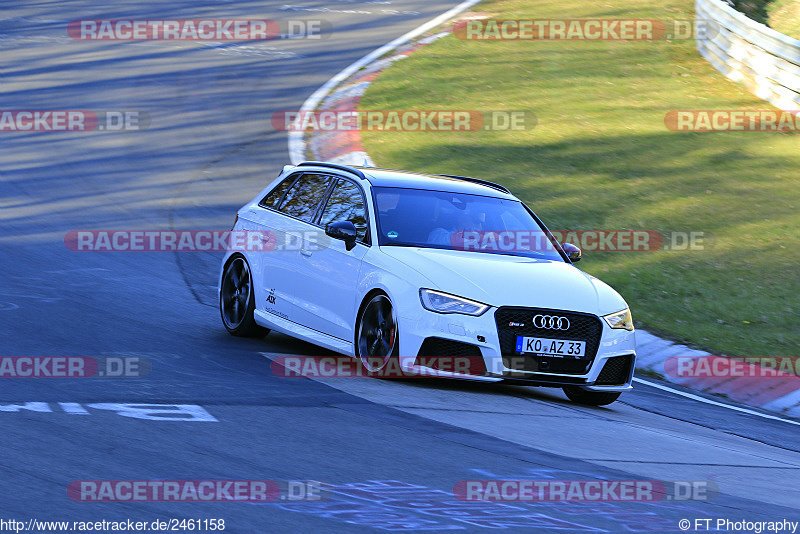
x=551 y=322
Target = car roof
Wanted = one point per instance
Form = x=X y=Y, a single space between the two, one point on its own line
x=412 y=180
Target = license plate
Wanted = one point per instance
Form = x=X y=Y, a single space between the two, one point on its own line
x=551 y=347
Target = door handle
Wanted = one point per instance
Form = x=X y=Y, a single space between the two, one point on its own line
x=306 y=253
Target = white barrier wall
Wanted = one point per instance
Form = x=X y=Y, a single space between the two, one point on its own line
x=760 y=58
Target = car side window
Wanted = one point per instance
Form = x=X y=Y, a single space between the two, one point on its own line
x=304 y=197
x=346 y=203
x=274 y=197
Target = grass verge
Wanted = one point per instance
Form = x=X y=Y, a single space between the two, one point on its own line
x=784 y=16
x=602 y=158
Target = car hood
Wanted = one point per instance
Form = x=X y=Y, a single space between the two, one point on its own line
x=503 y=280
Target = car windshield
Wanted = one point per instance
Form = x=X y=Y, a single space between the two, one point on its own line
x=459 y=221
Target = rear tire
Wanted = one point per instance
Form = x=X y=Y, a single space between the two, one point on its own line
x=590 y=398
x=237 y=300
x=377 y=343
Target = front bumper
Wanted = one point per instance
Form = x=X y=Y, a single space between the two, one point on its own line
x=482 y=334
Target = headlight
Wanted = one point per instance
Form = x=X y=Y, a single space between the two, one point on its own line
x=439 y=302
x=621 y=319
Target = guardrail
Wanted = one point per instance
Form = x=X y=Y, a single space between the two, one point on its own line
x=765 y=61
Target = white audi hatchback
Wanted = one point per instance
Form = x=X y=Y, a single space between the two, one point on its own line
x=426 y=274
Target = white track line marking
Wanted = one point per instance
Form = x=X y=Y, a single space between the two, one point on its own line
x=715 y=403
x=297 y=145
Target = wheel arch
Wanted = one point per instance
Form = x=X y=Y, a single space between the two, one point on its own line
x=227 y=261
x=367 y=297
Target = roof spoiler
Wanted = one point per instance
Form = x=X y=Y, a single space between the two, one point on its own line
x=333 y=166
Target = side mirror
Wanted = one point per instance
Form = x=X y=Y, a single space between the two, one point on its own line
x=573 y=252
x=343 y=230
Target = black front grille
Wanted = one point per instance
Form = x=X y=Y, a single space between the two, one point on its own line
x=449 y=355
x=583 y=327
x=615 y=372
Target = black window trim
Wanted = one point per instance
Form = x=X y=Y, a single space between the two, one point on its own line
x=294 y=177
x=324 y=203
x=294 y=182
x=334 y=178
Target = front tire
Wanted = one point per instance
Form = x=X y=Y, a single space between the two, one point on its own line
x=590 y=398
x=237 y=300
x=377 y=345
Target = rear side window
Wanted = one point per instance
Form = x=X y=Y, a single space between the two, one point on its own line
x=346 y=203
x=303 y=198
x=273 y=199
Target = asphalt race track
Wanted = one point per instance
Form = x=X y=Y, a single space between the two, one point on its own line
x=388 y=453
